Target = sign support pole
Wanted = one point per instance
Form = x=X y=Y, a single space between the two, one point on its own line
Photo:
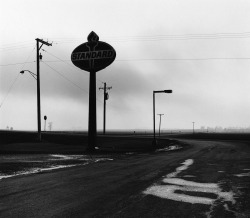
x=92 y=112
x=93 y=56
x=104 y=110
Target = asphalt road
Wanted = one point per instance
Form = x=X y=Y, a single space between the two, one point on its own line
x=125 y=186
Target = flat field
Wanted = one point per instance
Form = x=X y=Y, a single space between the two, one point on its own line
x=203 y=178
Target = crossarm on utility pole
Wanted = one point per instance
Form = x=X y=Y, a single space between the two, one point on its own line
x=43 y=42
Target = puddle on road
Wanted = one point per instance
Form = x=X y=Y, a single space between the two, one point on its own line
x=189 y=176
x=177 y=189
x=169 y=148
x=37 y=170
x=242 y=174
x=68 y=157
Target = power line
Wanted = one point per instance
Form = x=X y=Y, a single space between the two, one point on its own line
x=28 y=58
x=183 y=59
x=10 y=88
x=3 y=49
x=65 y=61
x=17 y=44
x=16 y=78
x=241 y=34
x=166 y=37
x=69 y=80
x=5 y=65
x=174 y=59
x=144 y=59
x=142 y=38
x=64 y=77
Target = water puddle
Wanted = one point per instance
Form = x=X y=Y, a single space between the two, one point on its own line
x=36 y=170
x=243 y=174
x=16 y=165
x=68 y=157
x=189 y=176
x=169 y=148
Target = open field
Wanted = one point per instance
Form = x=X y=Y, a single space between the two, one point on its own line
x=73 y=143
x=76 y=142
x=205 y=178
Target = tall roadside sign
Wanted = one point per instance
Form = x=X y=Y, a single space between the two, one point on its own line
x=93 y=56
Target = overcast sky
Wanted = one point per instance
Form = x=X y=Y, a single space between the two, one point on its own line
x=198 y=48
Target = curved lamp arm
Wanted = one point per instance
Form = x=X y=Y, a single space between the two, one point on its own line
x=31 y=73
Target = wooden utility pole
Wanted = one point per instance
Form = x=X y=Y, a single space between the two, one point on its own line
x=38 y=57
x=160 y=125
x=105 y=98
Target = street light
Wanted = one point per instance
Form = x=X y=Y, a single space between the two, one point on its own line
x=37 y=77
x=38 y=103
x=31 y=73
x=162 y=91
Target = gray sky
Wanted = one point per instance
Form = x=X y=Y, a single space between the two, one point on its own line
x=198 y=48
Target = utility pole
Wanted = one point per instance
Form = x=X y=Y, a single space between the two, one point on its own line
x=38 y=57
x=193 y=127
x=50 y=126
x=160 y=124
x=105 y=98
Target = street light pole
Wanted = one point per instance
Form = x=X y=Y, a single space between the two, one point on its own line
x=154 y=140
x=163 y=91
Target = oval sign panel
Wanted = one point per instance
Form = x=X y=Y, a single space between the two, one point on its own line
x=93 y=55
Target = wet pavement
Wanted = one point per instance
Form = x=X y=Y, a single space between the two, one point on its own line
x=207 y=179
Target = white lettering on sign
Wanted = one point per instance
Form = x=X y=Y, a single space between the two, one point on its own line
x=79 y=56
